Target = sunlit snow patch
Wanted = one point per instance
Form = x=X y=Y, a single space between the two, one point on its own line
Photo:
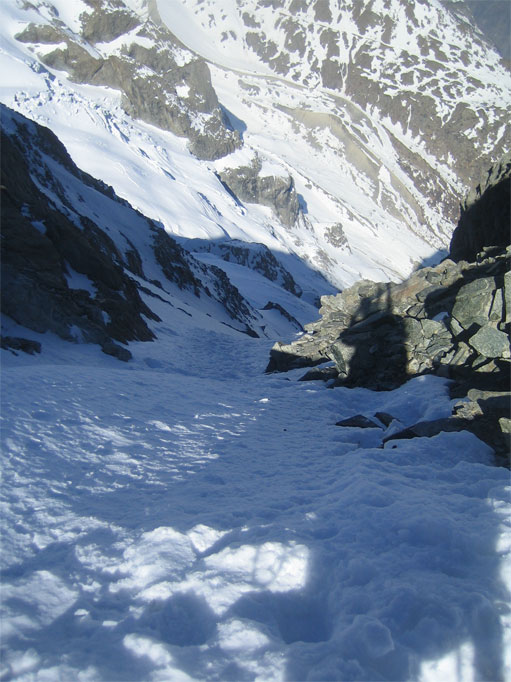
x=203 y=537
x=239 y=635
x=229 y=574
x=160 y=554
x=457 y=665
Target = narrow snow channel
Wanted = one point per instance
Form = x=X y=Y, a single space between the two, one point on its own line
x=186 y=517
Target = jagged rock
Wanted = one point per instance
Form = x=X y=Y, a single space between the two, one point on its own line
x=150 y=79
x=277 y=192
x=173 y=262
x=486 y=215
x=231 y=299
x=16 y=343
x=105 y=23
x=35 y=292
x=179 y=267
x=336 y=236
x=257 y=257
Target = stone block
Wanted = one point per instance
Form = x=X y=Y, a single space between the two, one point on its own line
x=491 y=342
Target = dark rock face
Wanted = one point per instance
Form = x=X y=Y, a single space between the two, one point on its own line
x=257 y=257
x=35 y=290
x=443 y=318
x=452 y=320
x=16 y=343
x=485 y=215
x=63 y=273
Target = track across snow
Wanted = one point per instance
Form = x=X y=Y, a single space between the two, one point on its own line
x=185 y=516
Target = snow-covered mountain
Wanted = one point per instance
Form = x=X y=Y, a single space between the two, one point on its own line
x=180 y=181
x=346 y=135
x=79 y=262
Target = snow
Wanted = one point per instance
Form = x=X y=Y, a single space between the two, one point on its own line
x=185 y=516
x=68 y=11
x=77 y=280
x=182 y=20
x=182 y=91
x=154 y=171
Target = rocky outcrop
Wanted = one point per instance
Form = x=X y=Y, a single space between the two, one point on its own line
x=442 y=318
x=161 y=82
x=41 y=248
x=485 y=214
x=452 y=319
x=16 y=343
x=257 y=257
x=278 y=192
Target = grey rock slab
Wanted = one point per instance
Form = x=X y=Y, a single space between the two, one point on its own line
x=474 y=301
x=490 y=342
x=359 y=421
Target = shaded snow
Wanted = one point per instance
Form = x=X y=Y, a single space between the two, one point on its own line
x=184 y=516
x=187 y=517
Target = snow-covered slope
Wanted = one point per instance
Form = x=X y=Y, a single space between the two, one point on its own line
x=80 y=262
x=392 y=106
x=186 y=517
x=372 y=121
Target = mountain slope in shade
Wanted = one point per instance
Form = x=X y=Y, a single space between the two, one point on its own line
x=79 y=262
x=350 y=146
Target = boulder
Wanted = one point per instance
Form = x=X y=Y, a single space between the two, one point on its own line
x=474 y=302
x=490 y=342
x=16 y=343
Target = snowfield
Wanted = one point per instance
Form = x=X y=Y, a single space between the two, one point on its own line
x=187 y=517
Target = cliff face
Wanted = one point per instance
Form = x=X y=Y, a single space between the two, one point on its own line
x=452 y=320
x=484 y=217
